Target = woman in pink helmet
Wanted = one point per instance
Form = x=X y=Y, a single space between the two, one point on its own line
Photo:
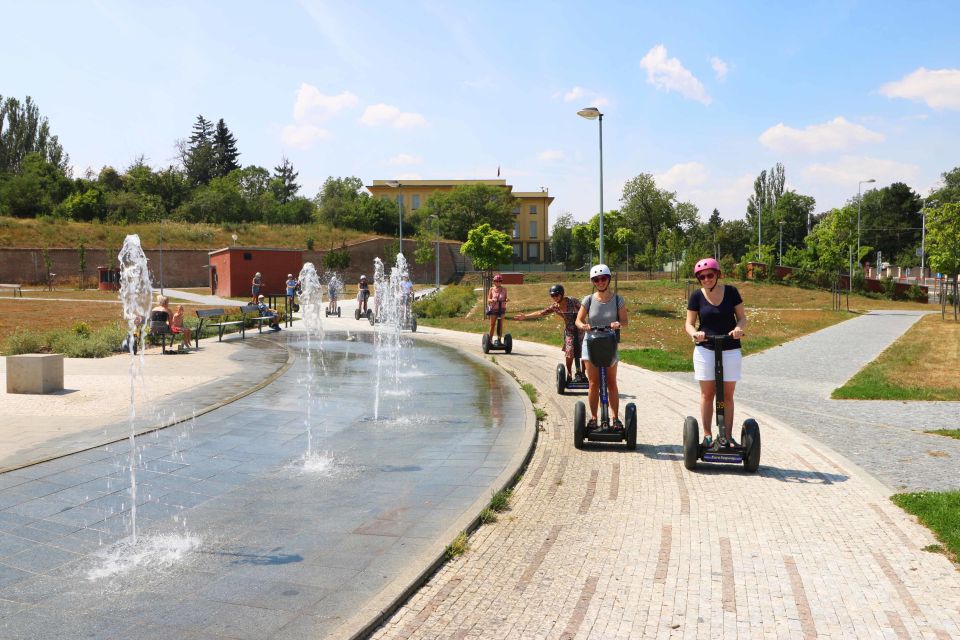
x=715 y=309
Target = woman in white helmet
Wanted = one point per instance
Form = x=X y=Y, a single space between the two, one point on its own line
x=602 y=308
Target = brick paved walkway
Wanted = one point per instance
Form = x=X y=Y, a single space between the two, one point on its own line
x=605 y=543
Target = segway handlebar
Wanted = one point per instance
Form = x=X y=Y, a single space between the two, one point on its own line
x=718 y=340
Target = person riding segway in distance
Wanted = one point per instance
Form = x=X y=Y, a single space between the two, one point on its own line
x=363 y=294
x=714 y=310
x=497 y=309
x=607 y=309
x=567 y=308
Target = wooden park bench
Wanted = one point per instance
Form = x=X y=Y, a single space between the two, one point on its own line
x=159 y=328
x=211 y=318
x=255 y=316
x=16 y=288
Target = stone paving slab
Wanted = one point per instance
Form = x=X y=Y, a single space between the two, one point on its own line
x=605 y=543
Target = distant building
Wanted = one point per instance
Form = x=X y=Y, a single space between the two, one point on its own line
x=232 y=270
x=531 y=215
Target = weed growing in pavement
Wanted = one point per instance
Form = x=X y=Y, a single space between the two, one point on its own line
x=458 y=547
x=500 y=501
x=540 y=413
x=950 y=433
x=487 y=516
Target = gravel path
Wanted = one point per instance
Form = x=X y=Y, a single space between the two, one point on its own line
x=793 y=383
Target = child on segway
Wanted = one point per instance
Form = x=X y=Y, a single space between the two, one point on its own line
x=567 y=309
x=497 y=309
x=363 y=294
x=715 y=310
x=604 y=309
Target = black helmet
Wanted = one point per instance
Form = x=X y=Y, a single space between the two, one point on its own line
x=556 y=290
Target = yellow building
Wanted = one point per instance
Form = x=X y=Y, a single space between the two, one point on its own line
x=531 y=214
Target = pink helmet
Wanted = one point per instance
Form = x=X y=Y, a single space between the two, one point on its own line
x=706 y=263
x=498 y=278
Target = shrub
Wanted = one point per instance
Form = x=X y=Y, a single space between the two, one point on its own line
x=916 y=294
x=78 y=342
x=310 y=241
x=889 y=288
x=81 y=329
x=742 y=270
x=728 y=265
x=450 y=302
x=22 y=341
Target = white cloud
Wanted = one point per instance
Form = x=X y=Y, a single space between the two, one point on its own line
x=387 y=114
x=686 y=175
x=583 y=95
x=668 y=74
x=939 y=88
x=836 y=135
x=302 y=136
x=404 y=159
x=311 y=105
x=551 y=155
x=720 y=68
x=849 y=170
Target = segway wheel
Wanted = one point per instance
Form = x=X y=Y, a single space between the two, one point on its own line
x=338 y=312
x=356 y=313
x=485 y=343
x=508 y=343
x=561 y=379
x=413 y=324
x=691 y=442
x=579 y=424
x=370 y=318
x=750 y=439
x=630 y=426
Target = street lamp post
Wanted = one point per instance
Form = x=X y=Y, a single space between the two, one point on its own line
x=923 y=236
x=396 y=185
x=592 y=113
x=759 y=226
x=859 y=204
x=161 y=256
x=437 y=218
x=780 y=259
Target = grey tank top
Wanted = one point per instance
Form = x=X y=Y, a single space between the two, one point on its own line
x=602 y=314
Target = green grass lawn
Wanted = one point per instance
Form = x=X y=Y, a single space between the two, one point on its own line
x=940 y=512
x=920 y=365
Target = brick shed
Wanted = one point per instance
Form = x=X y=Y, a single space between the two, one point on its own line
x=232 y=270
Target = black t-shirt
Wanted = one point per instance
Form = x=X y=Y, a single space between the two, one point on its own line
x=716 y=320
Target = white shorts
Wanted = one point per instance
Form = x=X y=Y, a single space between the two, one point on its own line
x=703 y=364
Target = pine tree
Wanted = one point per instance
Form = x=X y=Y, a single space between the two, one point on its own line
x=284 y=181
x=199 y=158
x=225 y=152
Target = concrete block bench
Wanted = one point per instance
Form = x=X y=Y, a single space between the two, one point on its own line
x=35 y=373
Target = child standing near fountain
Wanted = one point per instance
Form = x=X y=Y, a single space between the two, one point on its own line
x=176 y=326
x=363 y=294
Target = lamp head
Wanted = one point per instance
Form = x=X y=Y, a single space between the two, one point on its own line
x=590 y=113
x=393 y=183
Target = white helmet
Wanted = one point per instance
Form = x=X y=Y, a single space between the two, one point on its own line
x=599 y=270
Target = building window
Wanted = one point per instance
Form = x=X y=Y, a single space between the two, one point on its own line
x=516 y=230
x=247 y=256
x=533 y=209
x=399 y=200
x=533 y=228
x=415 y=201
x=517 y=251
x=533 y=251
x=516 y=211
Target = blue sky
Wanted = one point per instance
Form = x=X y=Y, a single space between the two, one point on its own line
x=704 y=95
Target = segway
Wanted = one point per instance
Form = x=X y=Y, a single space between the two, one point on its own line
x=602 y=346
x=489 y=344
x=721 y=450
x=329 y=312
x=579 y=381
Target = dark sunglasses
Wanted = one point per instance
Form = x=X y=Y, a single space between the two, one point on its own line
x=703 y=276
x=599 y=278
